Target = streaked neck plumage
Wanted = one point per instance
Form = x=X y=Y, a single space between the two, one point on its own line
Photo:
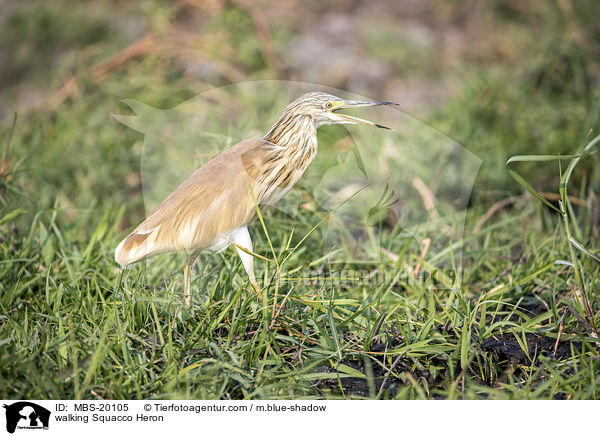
x=294 y=139
x=296 y=136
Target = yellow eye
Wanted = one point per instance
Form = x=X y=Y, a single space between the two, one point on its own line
x=329 y=105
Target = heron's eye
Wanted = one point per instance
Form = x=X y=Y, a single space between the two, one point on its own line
x=329 y=105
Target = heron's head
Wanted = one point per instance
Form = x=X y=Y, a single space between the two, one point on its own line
x=325 y=109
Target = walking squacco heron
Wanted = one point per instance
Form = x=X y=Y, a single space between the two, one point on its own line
x=212 y=207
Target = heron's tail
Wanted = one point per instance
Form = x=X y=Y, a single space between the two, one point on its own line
x=137 y=246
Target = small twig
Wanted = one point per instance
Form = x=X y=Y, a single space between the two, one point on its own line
x=99 y=71
x=298 y=355
x=98 y=396
x=493 y=209
x=387 y=375
x=140 y=47
x=427 y=196
x=560 y=329
x=510 y=200
x=552 y=196
x=280 y=307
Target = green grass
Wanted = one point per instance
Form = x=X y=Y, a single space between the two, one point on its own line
x=80 y=329
x=73 y=325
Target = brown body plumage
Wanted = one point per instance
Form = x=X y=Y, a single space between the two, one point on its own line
x=212 y=207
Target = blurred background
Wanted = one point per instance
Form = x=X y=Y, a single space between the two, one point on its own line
x=498 y=77
x=501 y=77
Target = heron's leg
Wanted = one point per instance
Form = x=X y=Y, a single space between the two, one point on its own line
x=187 y=277
x=241 y=238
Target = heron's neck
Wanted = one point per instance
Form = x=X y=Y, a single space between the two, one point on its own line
x=294 y=147
x=292 y=130
x=296 y=136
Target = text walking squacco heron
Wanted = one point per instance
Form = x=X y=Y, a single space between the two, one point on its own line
x=212 y=207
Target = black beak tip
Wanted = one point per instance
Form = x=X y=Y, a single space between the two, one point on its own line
x=382 y=126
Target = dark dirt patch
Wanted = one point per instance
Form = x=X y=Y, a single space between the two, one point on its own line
x=385 y=382
x=359 y=387
x=355 y=386
x=506 y=347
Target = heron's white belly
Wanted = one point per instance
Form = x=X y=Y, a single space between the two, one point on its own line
x=221 y=243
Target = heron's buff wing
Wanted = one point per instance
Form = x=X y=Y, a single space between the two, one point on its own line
x=211 y=203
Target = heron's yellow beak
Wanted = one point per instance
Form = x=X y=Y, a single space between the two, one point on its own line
x=350 y=104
